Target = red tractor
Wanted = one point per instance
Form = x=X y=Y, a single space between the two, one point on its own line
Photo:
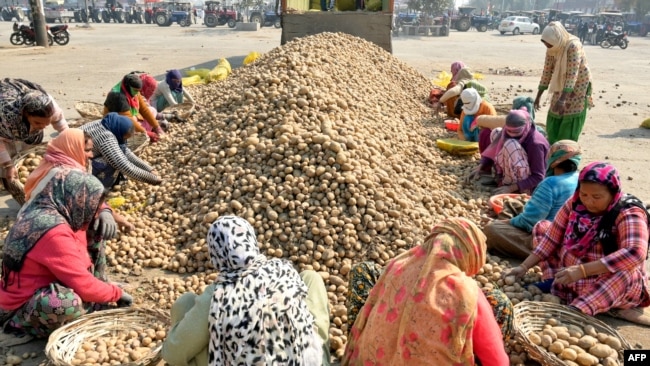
x=215 y=15
x=150 y=7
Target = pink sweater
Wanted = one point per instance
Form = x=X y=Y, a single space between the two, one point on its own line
x=59 y=256
x=488 y=340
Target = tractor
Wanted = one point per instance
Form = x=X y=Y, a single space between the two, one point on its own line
x=134 y=14
x=266 y=17
x=113 y=10
x=215 y=15
x=150 y=8
x=171 y=12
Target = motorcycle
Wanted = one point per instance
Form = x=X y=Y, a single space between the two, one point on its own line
x=60 y=34
x=612 y=39
x=25 y=34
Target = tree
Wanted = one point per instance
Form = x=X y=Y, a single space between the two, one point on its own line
x=640 y=7
x=431 y=7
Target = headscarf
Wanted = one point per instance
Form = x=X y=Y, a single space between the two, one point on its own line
x=561 y=151
x=518 y=125
x=71 y=197
x=119 y=125
x=464 y=75
x=35 y=101
x=149 y=85
x=525 y=101
x=582 y=228
x=471 y=101
x=125 y=87
x=258 y=313
x=66 y=150
x=455 y=68
x=423 y=307
x=175 y=86
x=555 y=35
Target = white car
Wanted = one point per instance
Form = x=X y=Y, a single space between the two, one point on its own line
x=517 y=25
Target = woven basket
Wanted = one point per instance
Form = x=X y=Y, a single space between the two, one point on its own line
x=76 y=123
x=183 y=111
x=64 y=342
x=16 y=187
x=503 y=109
x=531 y=316
x=90 y=109
x=137 y=142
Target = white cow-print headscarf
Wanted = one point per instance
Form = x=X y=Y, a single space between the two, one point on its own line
x=258 y=314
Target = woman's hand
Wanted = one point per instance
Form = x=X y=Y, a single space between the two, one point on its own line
x=536 y=105
x=568 y=275
x=518 y=272
x=506 y=189
x=559 y=107
x=473 y=175
x=11 y=173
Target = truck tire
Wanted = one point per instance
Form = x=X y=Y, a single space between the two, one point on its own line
x=106 y=18
x=231 y=23
x=210 y=21
x=161 y=19
x=278 y=23
x=463 y=25
x=482 y=28
x=119 y=16
x=128 y=18
x=138 y=18
x=256 y=18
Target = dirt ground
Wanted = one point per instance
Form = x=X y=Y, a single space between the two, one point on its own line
x=97 y=57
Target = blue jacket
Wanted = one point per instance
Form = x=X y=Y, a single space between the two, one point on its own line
x=546 y=201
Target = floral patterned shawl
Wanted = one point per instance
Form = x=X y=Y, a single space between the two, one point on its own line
x=423 y=307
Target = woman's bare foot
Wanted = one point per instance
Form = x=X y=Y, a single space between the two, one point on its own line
x=635 y=315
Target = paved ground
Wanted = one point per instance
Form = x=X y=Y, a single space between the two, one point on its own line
x=96 y=59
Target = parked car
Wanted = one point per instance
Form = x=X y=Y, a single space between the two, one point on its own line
x=518 y=25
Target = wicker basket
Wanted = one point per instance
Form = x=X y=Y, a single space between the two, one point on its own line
x=531 y=316
x=16 y=187
x=183 y=111
x=90 y=109
x=76 y=123
x=137 y=142
x=503 y=109
x=64 y=342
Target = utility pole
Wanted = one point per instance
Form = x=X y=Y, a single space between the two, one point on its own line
x=39 y=22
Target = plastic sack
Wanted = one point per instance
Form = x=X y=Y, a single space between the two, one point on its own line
x=193 y=80
x=223 y=62
x=457 y=147
x=202 y=73
x=442 y=79
x=373 y=5
x=251 y=58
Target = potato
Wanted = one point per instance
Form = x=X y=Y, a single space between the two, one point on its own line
x=613 y=342
x=13 y=360
x=551 y=333
x=553 y=322
x=602 y=337
x=564 y=342
x=609 y=361
x=577 y=348
x=573 y=340
x=515 y=360
x=569 y=354
x=563 y=335
x=556 y=347
x=535 y=339
x=575 y=331
x=585 y=359
x=570 y=363
x=560 y=329
x=590 y=330
x=587 y=342
x=600 y=350
x=546 y=340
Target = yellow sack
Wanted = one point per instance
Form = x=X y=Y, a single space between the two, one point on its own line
x=345 y=5
x=218 y=73
x=646 y=123
x=443 y=79
x=457 y=147
x=116 y=202
x=314 y=4
x=193 y=80
x=224 y=63
x=201 y=73
x=373 y=5
x=251 y=58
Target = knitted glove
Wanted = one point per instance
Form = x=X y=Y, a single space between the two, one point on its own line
x=153 y=137
x=125 y=301
x=105 y=226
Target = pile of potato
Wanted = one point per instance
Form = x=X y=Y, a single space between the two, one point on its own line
x=578 y=346
x=123 y=347
x=326 y=145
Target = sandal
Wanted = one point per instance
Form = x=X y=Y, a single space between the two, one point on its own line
x=636 y=315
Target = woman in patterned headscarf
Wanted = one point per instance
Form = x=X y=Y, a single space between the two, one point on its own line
x=170 y=92
x=25 y=110
x=594 y=251
x=461 y=80
x=47 y=274
x=567 y=77
x=513 y=236
x=259 y=311
x=425 y=309
x=125 y=99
